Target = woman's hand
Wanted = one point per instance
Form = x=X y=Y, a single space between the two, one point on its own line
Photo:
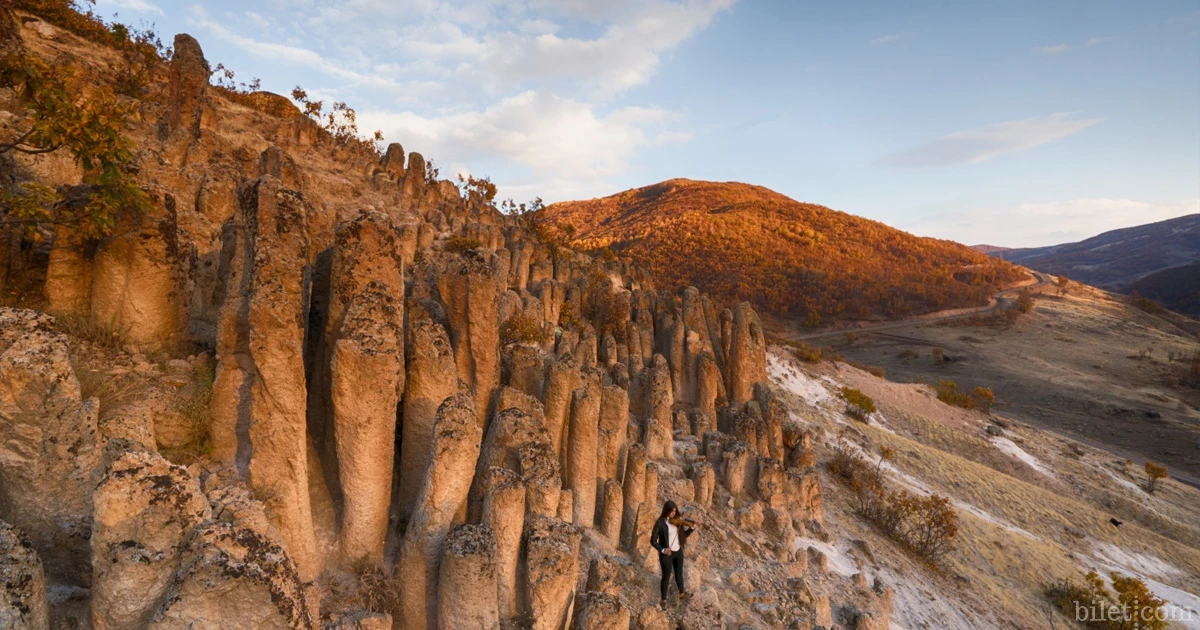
x=667 y=551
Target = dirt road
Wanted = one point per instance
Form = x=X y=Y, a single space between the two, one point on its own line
x=998 y=300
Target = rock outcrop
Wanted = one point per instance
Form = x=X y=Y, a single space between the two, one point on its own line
x=420 y=383
x=146 y=509
x=49 y=445
x=23 y=604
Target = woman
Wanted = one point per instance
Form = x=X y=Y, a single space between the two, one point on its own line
x=669 y=539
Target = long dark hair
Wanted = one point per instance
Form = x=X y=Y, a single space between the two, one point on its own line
x=668 y=507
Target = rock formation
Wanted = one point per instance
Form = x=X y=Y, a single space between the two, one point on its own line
x=454 y=451
x=49 y=445
x=146 y=508
x=405 y=380
x=23 y=604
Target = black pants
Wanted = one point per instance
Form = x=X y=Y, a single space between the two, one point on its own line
x=673 y=562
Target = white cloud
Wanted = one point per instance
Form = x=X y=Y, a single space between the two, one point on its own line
x=983 y=143
x=886 y=39
x=540 y=83
x=141 y=6
x=1092 y=41
x=551 y=135
x=1049 y=223
x=1050 y=50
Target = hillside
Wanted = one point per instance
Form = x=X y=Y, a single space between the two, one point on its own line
x=744 y=242
x=1118 y=258
x=1177 y=288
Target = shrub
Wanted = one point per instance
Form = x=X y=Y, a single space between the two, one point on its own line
x=341 y=121
x=520 y=329
x=481 y=186
x=88 y=329
x=112 y=391
x=461 y=244
x=1024 y=302
x=1154 y=473
x=1134 y=606
x=870 y=369
x=983 y=397
x=1146 y=304
x=804 y=352
x=938 y=354
x=602 y=307
x=858 y=404
x=851 y=337
x=948 y=392
x=926 y=526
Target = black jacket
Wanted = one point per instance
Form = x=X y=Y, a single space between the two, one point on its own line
x=660 y=536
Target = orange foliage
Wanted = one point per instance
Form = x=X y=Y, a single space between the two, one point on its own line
x=742 y=242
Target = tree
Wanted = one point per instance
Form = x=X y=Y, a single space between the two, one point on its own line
x=341 y=121
x=481 y=186
x=1154 y=472
x=90 y=129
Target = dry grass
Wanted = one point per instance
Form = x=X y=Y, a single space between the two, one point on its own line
x=87 y=329
x=112 y=390
x=195 y=407
x=1013 y=538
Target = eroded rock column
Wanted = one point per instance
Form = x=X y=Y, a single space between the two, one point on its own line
x=581 y=454
x=504 y=514
x=431 y=379
x=367 y=375
x=277 y=221
x=467 y=579
x=747 y=354
x=454 y=451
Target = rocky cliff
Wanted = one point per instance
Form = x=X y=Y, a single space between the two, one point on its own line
x=423 y=413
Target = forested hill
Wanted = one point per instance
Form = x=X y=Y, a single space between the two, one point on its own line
x=744 y=242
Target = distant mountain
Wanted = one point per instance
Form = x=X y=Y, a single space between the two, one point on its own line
x=990 y=249
x=1177 y=288
x=744 y=242
x=1117 y=259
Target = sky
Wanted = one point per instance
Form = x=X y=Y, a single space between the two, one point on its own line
x=1009 y=123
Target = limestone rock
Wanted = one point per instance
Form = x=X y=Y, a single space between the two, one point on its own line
x=367 y=374
x=49 y=450
x=602 y=611
x=747 y=354
x=189 y=81
x=431 y=379
x=146 y=508
x=231 y=578
x=552 y=565
x=504 y=514
x=454 y=451
x=467 y=579
x=139 y=279
x=23 y=604
x=581 y=452
x=469 y=290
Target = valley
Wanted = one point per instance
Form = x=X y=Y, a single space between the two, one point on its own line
x=1084 y=364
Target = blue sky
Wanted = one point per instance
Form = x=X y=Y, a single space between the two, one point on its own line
x=1011 y=123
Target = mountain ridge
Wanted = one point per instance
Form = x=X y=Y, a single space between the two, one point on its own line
x=796 y=259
